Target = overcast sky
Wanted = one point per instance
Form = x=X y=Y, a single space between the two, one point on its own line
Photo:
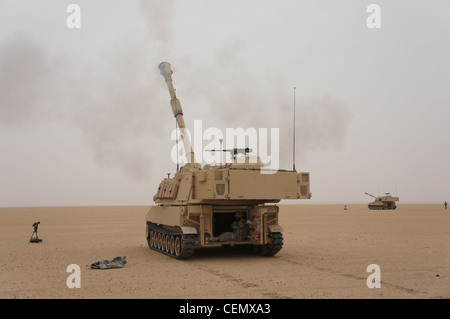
x=85 y=116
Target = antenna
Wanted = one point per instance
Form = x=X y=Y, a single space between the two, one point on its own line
x=176 y=134
x=221 y=151
x=293 y=139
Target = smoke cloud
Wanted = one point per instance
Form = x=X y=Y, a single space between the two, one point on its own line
x=109 y=100
x=233 y=94
x=116 y=98
x=26 y=80
x=158 y=20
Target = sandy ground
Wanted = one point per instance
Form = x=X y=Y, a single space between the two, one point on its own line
x=326 y=253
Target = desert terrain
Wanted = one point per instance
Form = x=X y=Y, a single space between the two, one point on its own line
x=326 y=253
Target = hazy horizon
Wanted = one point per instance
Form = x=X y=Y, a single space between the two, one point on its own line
x=85 y=117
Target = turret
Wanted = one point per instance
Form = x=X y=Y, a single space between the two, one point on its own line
x=166 y=72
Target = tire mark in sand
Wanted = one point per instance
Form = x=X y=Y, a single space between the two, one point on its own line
x=240 y=282
x=352 y=276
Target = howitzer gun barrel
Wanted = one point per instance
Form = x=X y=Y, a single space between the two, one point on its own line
x=166 y=71
x=370 y=195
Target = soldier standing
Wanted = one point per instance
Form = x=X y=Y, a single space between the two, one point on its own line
x=445 y=204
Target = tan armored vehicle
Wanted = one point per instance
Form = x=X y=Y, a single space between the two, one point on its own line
x=383 y=202
x=224 y=205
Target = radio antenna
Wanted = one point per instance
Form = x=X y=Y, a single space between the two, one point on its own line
x=221 y=151
x=176 y=134
x=293 y=138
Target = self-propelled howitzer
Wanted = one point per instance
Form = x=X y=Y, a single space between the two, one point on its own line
x=383 y=202
x=231 y=204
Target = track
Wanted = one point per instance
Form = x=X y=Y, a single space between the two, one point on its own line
x=381 y=208
x=181 y=246
x=173 y=244
x=268 y=250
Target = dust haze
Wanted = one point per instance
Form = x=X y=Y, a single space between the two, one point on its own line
x=102 y=81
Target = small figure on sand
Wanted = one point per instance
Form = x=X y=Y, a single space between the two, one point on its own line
x=445 y=204
x=34 y=236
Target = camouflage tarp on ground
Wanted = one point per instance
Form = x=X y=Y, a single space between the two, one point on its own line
x=118 y=262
